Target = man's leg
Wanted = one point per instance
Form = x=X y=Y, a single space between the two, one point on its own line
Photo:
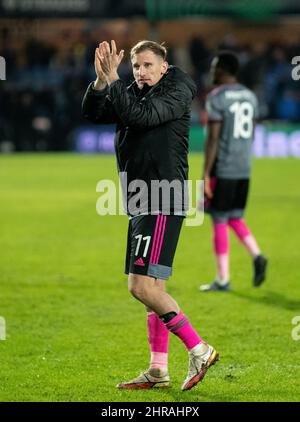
x=242 y=231
x=202 y=355
x=145 y=289
x=244 y=234
x=158 y=337
x=151 y=248
x=142 y=254
x=223 y=195
x=221 y=250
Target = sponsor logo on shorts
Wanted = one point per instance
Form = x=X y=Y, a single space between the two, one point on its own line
x=140 y=262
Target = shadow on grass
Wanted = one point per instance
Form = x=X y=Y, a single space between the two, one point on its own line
x=165 y=395
x=273 y=299
x=174 y=395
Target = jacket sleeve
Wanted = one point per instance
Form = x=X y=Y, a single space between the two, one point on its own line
x=97 y=107
x=156 y=110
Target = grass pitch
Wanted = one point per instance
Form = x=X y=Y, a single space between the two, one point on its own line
x=73 y=331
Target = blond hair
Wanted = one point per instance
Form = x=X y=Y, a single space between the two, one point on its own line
x=158 y=49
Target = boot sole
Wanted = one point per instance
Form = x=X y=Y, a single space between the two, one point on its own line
x=143 y=386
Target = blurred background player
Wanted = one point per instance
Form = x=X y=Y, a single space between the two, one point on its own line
x=231 y=109
x=153 y=119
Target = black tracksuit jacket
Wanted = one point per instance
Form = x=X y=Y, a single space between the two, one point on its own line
x=152 y=132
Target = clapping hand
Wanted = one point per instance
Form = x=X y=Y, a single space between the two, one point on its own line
x=108 y=60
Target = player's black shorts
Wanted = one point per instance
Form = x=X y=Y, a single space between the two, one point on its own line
x=229 y=198
x=151 y=244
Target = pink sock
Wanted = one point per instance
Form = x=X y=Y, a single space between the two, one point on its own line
x=181 y=327
x=158 y=337
x=221 y=247
x=243 y=233
x=220 y=238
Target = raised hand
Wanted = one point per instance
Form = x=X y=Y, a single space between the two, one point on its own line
x=110 y=60
x=100 y=82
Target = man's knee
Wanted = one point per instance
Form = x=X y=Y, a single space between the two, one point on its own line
x=139 y=286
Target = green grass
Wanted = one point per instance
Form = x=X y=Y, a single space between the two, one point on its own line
x=73 y=331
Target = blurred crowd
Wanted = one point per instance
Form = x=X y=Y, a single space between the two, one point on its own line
x=40 y=102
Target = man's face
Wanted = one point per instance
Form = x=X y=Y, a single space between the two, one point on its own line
x=148 y=68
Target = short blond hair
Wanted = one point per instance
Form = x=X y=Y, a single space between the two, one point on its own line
x=158 y=49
